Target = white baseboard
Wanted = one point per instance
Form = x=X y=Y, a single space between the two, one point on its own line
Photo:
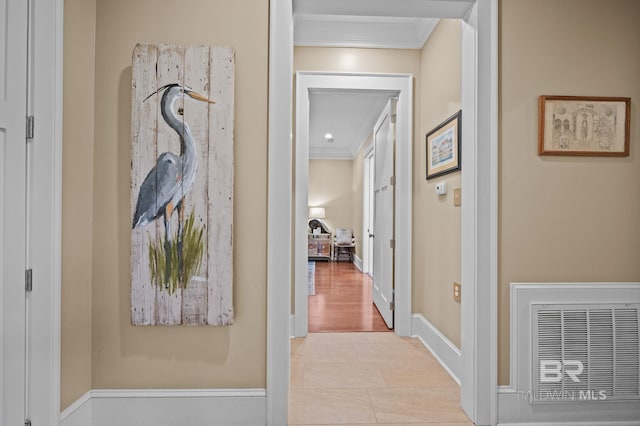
x=168 y=407
x=442 y=349
x=358 y=262
x=78 y=413
x=515 y=410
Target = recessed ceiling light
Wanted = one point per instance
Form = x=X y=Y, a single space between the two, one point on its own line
x=328 y=136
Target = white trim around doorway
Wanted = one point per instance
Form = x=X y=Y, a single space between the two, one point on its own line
x=479 y=253
x=479 y=306
x=367 y=210
x=279 y=203
x=402 y=85
x=45 y=210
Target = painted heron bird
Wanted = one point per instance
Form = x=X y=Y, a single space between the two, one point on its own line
x=165 y=186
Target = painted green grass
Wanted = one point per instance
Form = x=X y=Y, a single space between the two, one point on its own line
x=165 y=266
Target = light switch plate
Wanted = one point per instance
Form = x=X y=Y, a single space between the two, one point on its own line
x=457 y=292
x=457 y=196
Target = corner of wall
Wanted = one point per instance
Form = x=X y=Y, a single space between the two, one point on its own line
x=78 y=160
x=447 y=354
x=437 y=221
x=78 y=413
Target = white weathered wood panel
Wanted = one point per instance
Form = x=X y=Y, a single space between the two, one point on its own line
x=221 y=172
x=196 y=76
x=208 y=297
x=170 y=70
x=143 y=158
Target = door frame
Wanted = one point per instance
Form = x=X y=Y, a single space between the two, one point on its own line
x=367 y=213
x=479 y=206
x=402 y=84
x=479 y=266
x=44 y=216
x=14 y=307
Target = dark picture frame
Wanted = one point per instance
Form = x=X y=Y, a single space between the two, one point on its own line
x=584 y=125
x=443 y=146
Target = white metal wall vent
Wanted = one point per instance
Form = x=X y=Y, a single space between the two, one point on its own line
x=585 y=353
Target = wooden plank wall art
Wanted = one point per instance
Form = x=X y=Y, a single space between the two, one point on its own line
x=182 y=185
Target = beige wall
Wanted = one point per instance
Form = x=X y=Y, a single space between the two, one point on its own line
x=565 y=218
x=334 y=59
x=77 y=212
x=436 y=222
x=339 y=59
x=550 y=208
x=330 y=187
x=178 y=357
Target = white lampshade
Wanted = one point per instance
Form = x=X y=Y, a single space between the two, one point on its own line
x=316 y=212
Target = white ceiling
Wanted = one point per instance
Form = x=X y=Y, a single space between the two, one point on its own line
x=348 y=115
x=399 y=24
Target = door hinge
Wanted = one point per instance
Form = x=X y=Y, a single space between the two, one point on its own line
x=392 y=303
x=392 y=244
x=30 y=126
x=28 y=280
x=27 y=422
x=394 y=117
x=392 y=181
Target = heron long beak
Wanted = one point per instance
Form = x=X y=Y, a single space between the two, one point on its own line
x=159 y=89
x=199 y=97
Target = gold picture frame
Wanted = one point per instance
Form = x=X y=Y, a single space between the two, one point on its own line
x=584 y=125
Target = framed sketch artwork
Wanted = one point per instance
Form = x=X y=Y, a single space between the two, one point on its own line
x=182 y=185
x=583 y=125
x=443 y=147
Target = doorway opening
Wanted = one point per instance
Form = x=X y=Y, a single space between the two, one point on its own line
x=349 y=204
x=343 y=301
x=478 y=392
x=401 y=86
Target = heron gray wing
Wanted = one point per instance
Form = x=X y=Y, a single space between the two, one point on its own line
x=158 y=188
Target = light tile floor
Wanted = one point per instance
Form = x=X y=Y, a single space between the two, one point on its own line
x=348 y=379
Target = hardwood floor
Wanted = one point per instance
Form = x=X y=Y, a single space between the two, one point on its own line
x=343 y=300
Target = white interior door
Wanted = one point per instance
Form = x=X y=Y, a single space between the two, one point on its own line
x=13 y=109
x=384 y=138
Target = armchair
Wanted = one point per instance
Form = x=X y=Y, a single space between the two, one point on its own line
x=344 y=244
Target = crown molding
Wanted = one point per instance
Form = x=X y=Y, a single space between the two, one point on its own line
x=371 y=32
x=397 y=8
